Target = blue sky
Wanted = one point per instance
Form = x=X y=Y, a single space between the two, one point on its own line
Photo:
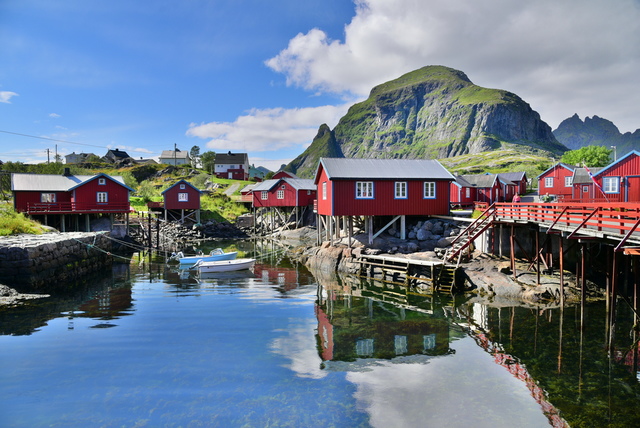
x=261 y=77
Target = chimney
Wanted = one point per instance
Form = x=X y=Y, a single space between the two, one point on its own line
x=67 y=172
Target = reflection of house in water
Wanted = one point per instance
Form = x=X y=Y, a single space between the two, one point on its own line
x=287 y=277
x=351 y=327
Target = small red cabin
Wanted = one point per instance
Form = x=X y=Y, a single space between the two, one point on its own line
x=284 y=192
x=463 y=193
x=181 y=195
x=557 y=181
x=472 y=188
x=382 y=187
x=620 y=180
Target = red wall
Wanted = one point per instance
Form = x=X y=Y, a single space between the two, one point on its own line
x=171 y=201
x=86 y=194
x=558 y=172
x=384 y=203
x=629 y=168
x=23 y=199
x=458 y=195
x=290 y=199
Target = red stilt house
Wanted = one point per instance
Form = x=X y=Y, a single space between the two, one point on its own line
x=381 y=187
x=557 y=181
x=182 y=201
x=463 y=193
x=63 y=201
x=620 y=180
x=285 y=199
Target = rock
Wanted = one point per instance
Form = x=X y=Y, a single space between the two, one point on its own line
x=423 y=235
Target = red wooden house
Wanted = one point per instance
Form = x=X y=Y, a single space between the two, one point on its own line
x=620 y=180
x=284 y=192
x=519 y=181
x=181 y=201
x=283 y=199
x=381 y=187
x=60 y=200
x=557 y=181
x=463 y=193
x=583 y=186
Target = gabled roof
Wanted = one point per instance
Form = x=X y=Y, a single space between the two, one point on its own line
x=581 y=176
x=55 y=182
x=248 y=188
x=561 y=164
x=177 y=154
x=231 y=158
x=181 y=182
x=481 y=180
x=611 y=165
x=121 y=154
x=383 y=169
x=461 y=182
x=513 y=176
x=296 y=183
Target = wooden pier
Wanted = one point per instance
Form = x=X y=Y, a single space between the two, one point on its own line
x=409 y=272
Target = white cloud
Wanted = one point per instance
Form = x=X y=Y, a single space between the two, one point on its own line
x=5 y=96
x=268 y=129
x=54 y=115
x=562 y=57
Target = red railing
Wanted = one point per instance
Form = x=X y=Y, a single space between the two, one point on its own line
x=76 y=208
x=605 y=218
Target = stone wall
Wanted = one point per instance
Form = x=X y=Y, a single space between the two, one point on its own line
x=48 y=262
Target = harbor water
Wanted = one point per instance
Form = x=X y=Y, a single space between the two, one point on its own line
x=145 y=344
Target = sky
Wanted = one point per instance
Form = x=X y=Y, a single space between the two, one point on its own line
x=261 y=76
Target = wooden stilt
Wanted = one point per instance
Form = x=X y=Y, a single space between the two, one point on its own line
x=538 y=257
x=561 y=256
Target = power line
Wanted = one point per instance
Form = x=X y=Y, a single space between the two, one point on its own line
x=52 y=139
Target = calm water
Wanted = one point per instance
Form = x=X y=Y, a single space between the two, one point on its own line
x=149 y=346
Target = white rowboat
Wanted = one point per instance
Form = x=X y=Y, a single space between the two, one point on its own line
x=214 y=255
x=224 y=265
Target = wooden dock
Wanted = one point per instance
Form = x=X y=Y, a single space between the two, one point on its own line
x=409 y=272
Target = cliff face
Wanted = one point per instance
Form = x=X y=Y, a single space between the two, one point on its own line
x=434 y=112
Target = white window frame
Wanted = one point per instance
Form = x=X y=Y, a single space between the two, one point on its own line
x=400 y=190
x=611 y=184
x=468 y=192
x=48 y=198
x=364 y=189
x=182 y=186
x=264 y=195
x=280 y=194
x=183 y=197
x=585 y=189
x=102 y=181
x=102 y=197
x=568 y=181
x=429 y=190
x=324 y=190
x=548 y=182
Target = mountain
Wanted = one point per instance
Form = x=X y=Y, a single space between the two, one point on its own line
x=596 y=131
x=434 y=112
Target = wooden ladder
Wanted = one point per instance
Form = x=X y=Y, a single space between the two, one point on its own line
x=446 y=279
x=467 y=236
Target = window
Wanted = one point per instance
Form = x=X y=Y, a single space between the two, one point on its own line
x=280 y=194
x=585 y=189
x=265 y=195
x=429 y=189
x=468 y=192
x=324 y=190
x=401 y=190
x=611 y=184
x=102 y=197
x=568 y=181
x=364 y=189
x=183 y=197
x=48 y=198
x=182 y=187
x=283 y=186
x=308 y=192
x=548 y=182
x=102 y=181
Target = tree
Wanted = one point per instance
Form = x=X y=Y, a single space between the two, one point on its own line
x=594 y=156
x=195 y=156
x=208 y=160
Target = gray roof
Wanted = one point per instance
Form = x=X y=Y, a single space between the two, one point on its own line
x=581 y=176
x=296 y=183
x=512 y=176
x=177 y=154
x=55 y=182
x=231 y=158
x=409 y=169
x=480 y=180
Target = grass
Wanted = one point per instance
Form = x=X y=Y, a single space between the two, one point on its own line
x=12 y=223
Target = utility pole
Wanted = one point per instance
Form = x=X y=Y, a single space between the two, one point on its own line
x=47 y=155
x=175 y=161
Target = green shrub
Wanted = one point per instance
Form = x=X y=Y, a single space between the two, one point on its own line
x=12 y=222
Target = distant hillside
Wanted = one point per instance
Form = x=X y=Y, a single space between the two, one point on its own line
x=434 y=112
x=596 y=131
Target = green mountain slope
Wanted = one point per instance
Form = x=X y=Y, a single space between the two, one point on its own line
x=434 y=112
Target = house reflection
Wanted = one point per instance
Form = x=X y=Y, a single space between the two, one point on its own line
x=358 y=322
